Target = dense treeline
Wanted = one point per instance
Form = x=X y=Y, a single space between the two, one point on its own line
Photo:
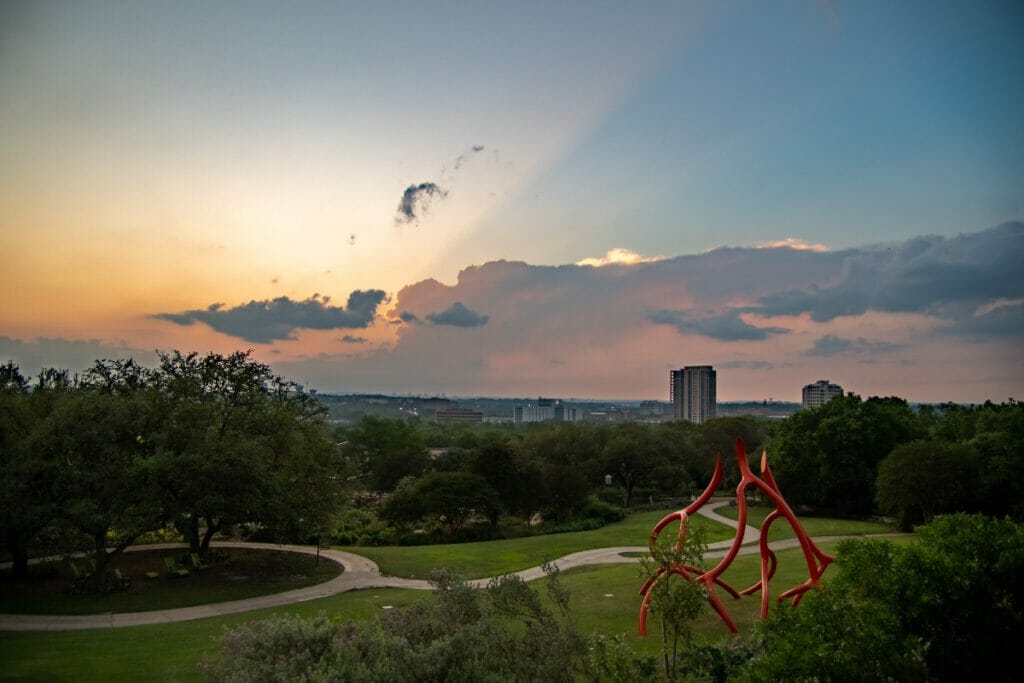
x=858 y=457
x=98 y=460
x=577 y=475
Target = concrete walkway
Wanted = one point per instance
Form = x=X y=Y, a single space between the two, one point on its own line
x=359 y=573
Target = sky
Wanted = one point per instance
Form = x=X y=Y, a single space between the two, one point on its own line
x=521 y=199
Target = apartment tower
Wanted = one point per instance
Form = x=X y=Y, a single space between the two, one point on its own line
x=692 y=393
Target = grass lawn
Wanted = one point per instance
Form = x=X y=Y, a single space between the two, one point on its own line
x=244 y=574
x=814 y=526
x=603 y=598
x=491 y=558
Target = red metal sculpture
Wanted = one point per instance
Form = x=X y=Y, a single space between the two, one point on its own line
x=817 y=561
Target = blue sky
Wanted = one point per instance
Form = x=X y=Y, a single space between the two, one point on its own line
x=170 y=169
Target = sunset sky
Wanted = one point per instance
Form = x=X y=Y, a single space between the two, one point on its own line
x=564 y=199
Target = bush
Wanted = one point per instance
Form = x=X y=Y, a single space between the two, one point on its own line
x=603 y=510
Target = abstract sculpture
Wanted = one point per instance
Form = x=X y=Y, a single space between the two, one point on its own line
x=817 y=561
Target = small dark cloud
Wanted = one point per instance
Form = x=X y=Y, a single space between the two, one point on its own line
x=747 y=364
x=416 y=201
x=461 y=159
x=407 y=317
x=350 y=339
x=727 y=326
x=831 y=345
x=458 y=315
x=265 y=321
x=352 y=239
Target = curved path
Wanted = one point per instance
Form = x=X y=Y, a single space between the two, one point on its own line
x=359 y=573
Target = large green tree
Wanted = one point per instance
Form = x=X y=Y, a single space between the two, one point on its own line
x=921 y=479
x=828 y=457
x=100 y=438
x=240 y=444
x=385 y=451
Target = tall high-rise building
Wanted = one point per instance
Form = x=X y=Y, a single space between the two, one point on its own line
x=693 y=394
x=820 y=393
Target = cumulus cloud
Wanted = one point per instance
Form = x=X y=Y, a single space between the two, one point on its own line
x=416 y=201
x=831 y=345
x=947 y=278
x=268 y=320
x=793 y=243
x=726 y=326
x=617 y=256
x=350 y=339
x=457 y=315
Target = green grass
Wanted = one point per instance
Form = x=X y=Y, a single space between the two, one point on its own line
x=163 y=652
x=491 y=558
x=171 y=652
x=814 y=526
x=244 y=574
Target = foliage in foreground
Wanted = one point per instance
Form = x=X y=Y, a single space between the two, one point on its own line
x=946 y=608
x=459 y=633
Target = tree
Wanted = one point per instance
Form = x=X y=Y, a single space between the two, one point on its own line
x=454 y=496
x=677 y=601
x=385 y=451
x=827 y=457
x=635 y=455
x=99 y=437
x=948 y=607
x=240 y=444
x=923 y=478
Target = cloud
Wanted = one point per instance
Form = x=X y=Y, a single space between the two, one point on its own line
x=416 y=201
x=461 y=159
x=268 y=320
x=457 y=315
x=727 y=326
x=407 y=317
x=793 y=243
x=617 y=256
x=831 y=345
x=350 y=339
x=745 y=364
x=946 y=278
x=65 y=354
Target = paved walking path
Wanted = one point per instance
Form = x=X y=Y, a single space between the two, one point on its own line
x=359 y=573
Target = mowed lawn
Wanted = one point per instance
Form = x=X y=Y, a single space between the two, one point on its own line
x=604 y=598
x=814 y=526
x=491 y=558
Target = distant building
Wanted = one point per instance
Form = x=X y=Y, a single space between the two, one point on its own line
x=693 y=393
x=820 y=393
x=547 y=409
x=457 y=414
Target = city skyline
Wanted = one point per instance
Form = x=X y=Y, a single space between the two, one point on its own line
x=521 y=200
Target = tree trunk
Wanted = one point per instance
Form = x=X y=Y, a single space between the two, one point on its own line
x=19 y=556
x=99 y=576
x=19 y=562
x=211 y=529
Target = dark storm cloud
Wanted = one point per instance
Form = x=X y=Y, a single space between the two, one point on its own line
x=831 y=345
x=948 y=278
x=264 y=321
x=727 y=326
x=458 y=315
x=1005 y=320
x=416 y=201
